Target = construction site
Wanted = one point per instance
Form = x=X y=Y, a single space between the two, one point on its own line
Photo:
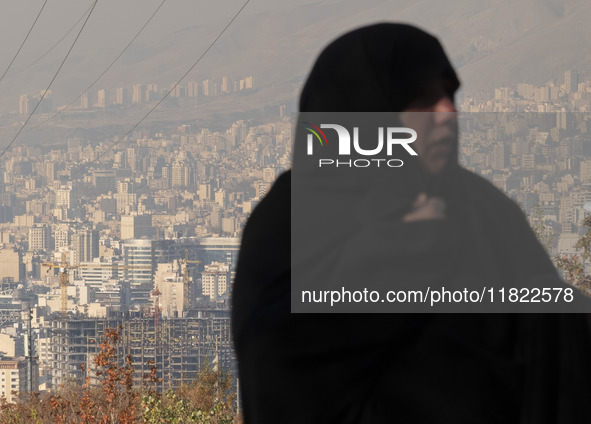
x=177 y=347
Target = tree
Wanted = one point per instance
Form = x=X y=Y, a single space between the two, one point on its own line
x=114 y=400
x=573 y=267
x=209 y=400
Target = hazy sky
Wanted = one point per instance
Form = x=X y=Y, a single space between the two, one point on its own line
x=112 y=22
x=111 y=26
x=494 y=41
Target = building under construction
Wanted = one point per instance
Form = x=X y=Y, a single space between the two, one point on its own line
x=178 y=347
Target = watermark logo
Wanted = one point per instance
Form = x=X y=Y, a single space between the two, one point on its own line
x=387 y=137
x=317 y=132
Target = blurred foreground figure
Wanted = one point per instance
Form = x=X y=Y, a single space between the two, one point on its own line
x=407 y=368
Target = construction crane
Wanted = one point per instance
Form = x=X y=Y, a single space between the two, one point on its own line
x=156 y=293
x=64 y=267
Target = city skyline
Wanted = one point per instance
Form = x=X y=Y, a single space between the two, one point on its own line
x=102 y=221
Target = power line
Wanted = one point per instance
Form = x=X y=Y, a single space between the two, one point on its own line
x=54 y=46
x=171 y=89
x=24 y=41
x=51 y=82
x=102 y=73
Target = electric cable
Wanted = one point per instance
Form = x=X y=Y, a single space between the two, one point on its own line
x=51 y=82
x=102 y=73
x=52 y=47
x=169 y=91
x=24 y=41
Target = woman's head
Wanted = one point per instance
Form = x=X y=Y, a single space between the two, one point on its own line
x=391 y=67
x=377 y=68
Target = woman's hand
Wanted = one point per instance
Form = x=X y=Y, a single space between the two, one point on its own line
x=426 y=208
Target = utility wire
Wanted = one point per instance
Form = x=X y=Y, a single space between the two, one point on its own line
x=24 y=41
x=102 y=73
x=169 y=91
x=51 y=82
x=52 y=47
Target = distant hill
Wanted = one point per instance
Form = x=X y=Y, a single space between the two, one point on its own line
x=492 y=42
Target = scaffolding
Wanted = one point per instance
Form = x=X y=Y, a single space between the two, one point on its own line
x=178 y=347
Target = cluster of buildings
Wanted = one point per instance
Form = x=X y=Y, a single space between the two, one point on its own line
x=534 y=143
x=571 y=93
x=138 y=94
x=140 y=235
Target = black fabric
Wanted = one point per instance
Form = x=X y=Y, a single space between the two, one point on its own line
x=362 y=71
x=421 y=368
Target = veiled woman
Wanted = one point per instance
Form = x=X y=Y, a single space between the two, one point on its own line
x=407 y=368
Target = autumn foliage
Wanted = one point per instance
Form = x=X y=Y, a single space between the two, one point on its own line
x=111 y=398
x=573 y=267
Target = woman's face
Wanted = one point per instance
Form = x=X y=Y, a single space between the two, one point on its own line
x=433 y=115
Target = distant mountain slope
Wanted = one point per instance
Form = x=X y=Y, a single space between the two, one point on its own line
x=492 y=42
